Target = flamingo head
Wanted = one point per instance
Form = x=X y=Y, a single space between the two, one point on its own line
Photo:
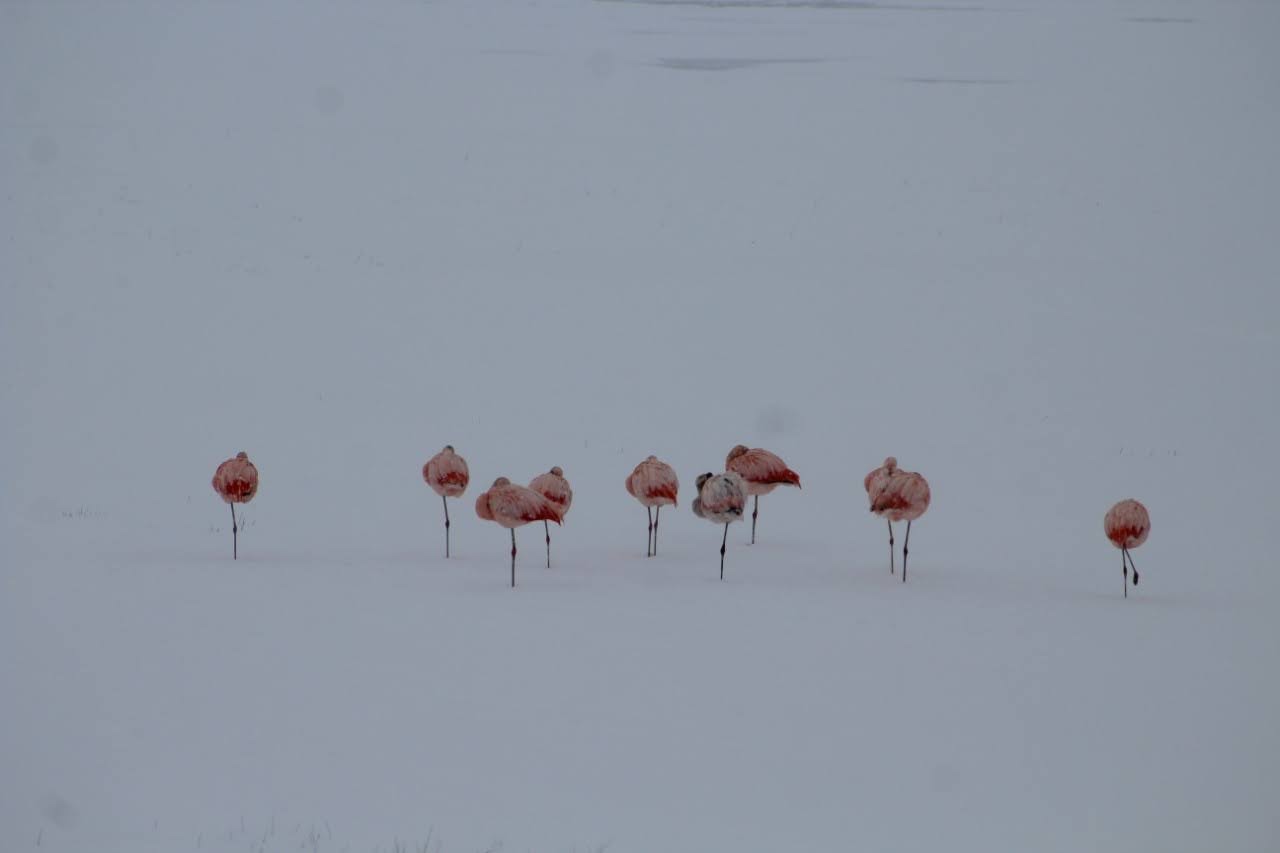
x=448 y=448
x=242 y=456
x=702 y=479
x=557 y=471
x=890 y=463
x=501 y=481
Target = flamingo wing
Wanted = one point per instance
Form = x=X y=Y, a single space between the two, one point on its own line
x=521 y=505
x=761 y=466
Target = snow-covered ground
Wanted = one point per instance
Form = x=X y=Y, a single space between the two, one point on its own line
x=1029 y=248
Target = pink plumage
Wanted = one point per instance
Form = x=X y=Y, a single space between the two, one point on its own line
x=446 y=473
x=655 y=485
x=236 y=482
x=555 y=488
x=897 y=495
x=902 y=497
x=761 y=472
x=513 y=506
x=1127 y=525
x=236 y=479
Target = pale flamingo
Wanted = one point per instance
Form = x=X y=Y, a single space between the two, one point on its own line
x=655 y=485
x=447 y=475
x=1127 y=525
x=902 y=496
x=722 y=499
x=555 y=488
x=763 y=472
x=513 y=506
x=873 y=483
x=236 y=480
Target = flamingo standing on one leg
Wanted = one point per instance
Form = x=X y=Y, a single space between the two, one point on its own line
x=722 y=499
x=1127 y=524
x=763 y=472
x=873 y=483
x=236 y=480
x=447 y=475
x=655 y=485
x=555 y=488
x=902 y=496
x=513 y=506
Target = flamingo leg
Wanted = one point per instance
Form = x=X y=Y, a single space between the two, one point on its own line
x=446 y=526
x=1133 y=565
x=905 y=543
x=513 y=558
x=890 y=547
x=233 y=532
x=657 y=512
x=755 y=511
x=1124 y=567
x=722 y=544
x=547 y=527
x=648 y=543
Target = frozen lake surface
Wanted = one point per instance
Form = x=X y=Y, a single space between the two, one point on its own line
x=1028 y=248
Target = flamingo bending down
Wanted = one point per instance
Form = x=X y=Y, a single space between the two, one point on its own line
x=236 y=480
x=722 y=499
x=901 y=496
x=873 y=483
x=447 y=475
x=762 y=472
x=655 y=485
x=513 y=506
x=1127 y=524
x=555 y=488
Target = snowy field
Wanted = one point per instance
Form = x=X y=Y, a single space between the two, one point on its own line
x=1030 y=248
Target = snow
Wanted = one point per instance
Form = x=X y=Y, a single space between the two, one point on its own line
x=1028 y=249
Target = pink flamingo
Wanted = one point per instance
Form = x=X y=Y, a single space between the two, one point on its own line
x=236 y=480
x=1127 y=524
x=901 y=496
x=873 y=483
x=447 y=475
x=655 y=485
x=513 y=506
x=722 y=499
x=762 y=472
x=555 y=488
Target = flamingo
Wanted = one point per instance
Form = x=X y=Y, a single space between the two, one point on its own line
x=763 y=472
x=513 y=506
x=722 y=499
x=447 y=475
x=555 y=488
x=873 y=483
x=1127 y=524
x=236 y=480
x=901 y=496
x=655 y=485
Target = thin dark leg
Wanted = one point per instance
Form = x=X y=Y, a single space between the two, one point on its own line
x=1132 y=565
x=890 y=547
x=547 y=527
x=905 y=543
x=233 y=532
x=657 y=512
x=513 y=558
x=722 y=543
x=648 y=543
x=755 y=511
x=1124 y=567
x=446 y=526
